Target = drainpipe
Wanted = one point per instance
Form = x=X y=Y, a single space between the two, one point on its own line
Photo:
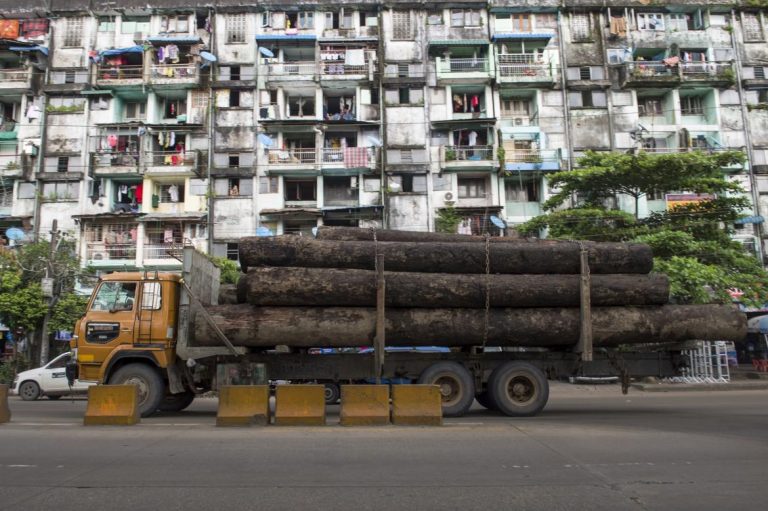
x=564 y=93
x=747 y=138
x=41 y=150
x=382 y=126
x=211 y=141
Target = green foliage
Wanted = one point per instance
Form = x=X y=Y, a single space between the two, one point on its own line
x=10 y=368
x=21 y=303
x=447 y=220
x=230 y=273
x=68 y=309
x=589 y=223
x=692 y=281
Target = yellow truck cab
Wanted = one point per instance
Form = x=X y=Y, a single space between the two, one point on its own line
x=128 y=336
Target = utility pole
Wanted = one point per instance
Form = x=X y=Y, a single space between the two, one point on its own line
x=48 y=285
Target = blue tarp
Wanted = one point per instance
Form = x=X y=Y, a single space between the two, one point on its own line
x=41 y=49
x=121 y=51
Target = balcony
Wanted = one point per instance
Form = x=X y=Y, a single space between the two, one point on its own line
x=15 y=80
x=174 y=74
x=167 y=251
x=114 y=164
x=289 y=71
x=352 y=158
x=340 y=70
x=292 y=157
x=105 y=254
x=650 y=74
x=714 y=73
x=463 y=70
x=467 y=157
x=11 y=165
x=518 y=211
x=523 y=69
x=174 y=162
x=532 y=159
x=117 y=76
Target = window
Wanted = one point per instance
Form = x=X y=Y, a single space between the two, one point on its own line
x=546 y=21
x=346 y=20
x=174 y=24
x=300 y=190
x=234 y=161
x=753 y=31
x=114 y=296
x=233 y=252
x=235 y=27
x=435 y=17
x=585 y=73
x=762 y=95
x=581 y=30
x=679 y=22
x=465 y=18
x=135 y=111
x=407 y=183
x=651 y=106
x=402 y=28
x=521 y=22
x=233 y=187
x=172 y=108
x=73 y=32
x=234 y=98
x=268 y=184
x=234 y=73
x=587 y=99
x=61 y=190
x=650 y=21
x=132 y=25
x=523 y=190
x=517 y=109
x=106 y=25
x=301 y=106
x=62 y=164
x=691 y=105
x=151 y=296
x=616 y=56
x=471 y=188
x=171 y=193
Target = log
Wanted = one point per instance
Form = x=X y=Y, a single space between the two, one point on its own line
x=228 y=294
x=536 y=257
x=357 y=288
x=305 y=327
x=360 y=234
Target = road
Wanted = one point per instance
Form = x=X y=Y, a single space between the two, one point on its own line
x=592 y=449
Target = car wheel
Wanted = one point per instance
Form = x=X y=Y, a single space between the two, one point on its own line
x=29 y=391
x=149 y=381
x=54 y=398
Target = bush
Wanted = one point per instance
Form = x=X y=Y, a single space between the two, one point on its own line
x=11 y=367
x=230 y=272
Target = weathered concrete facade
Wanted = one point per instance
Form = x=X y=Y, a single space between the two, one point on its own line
x=151 y=125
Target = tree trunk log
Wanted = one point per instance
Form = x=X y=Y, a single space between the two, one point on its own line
x=536 y=257
x=304 y=327
x=361 y=234
x=357 y=288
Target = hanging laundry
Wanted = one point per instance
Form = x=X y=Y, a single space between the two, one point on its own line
x=168 y=236
x=32 y=28
x=161 y=55
x=472 y=137
x=355 y=57
x=33 y=112
x=139 y=192
x=112 y=141
x=172 y=139
x=475 y=103
x=173 y=193
x=173 y=53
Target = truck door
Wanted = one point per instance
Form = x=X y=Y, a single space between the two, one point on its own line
x=108 y=323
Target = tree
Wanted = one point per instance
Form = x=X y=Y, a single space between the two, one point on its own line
x=690 y=243
x=21 y=303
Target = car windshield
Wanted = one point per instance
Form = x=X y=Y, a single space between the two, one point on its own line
x=114 y=296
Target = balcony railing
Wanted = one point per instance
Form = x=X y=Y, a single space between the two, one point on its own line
x=111 y=73
x=162 y=250
x=523 y=67
x=348 y=157
x=174 y=71
x=104 y=160
x=455 y=153
x=13 y=76
x=292 y=156
x=650 y=69
x=705 y=69
x=463 y=65
x=340 y=68
x=297 y=69
x=101 y=251
x=531 y=156
x=172 y=158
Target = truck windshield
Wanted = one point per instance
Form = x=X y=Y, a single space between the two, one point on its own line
x=114 y=296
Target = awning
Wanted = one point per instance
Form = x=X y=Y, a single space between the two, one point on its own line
x=108 y=216
x=97 y=92
x=523 y=36
x=340 y=172
x=459 y=42
x=353 y=213
x=41 y=49
x=465 y=123
x=293 y=172
x=303 y=212
x=175 y=39
x=284 y=37
x=758 y=325
x=750 y=220
x=121 y=51
x=173 y=217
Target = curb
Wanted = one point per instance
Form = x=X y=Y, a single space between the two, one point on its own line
x=698 y=387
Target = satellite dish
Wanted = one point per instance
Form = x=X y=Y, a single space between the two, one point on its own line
x=498 y=222
x=264 y=231
x=267 y=53
x=265 y=140
x=15 y=234
x=210 y=57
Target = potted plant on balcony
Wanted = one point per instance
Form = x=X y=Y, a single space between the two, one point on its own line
x=450 y=154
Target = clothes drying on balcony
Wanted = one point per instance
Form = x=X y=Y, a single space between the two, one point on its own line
x=355 y=157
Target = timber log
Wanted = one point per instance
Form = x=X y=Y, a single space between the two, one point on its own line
x=536 y=257
x=304 y=327
x=325 y=232
x=357 y=288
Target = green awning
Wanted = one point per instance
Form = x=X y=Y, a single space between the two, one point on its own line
x=293 y=172
x=342 y=172
x=459 y=42
x=488 y=167
x=96 y=92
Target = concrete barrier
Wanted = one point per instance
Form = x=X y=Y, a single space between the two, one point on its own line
x=112 y=405
x=300 y=405
x=416 y=405
x=243 y=405
x=364 y=405
x=5 y=411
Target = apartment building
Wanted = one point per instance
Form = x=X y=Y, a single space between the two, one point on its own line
x=144 y=127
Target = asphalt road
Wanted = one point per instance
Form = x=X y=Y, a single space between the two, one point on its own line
x=591 y=449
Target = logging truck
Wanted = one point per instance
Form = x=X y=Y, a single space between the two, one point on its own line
x=157 y=331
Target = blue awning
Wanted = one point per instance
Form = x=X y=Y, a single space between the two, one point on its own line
x=749 y=220
x=284 y=37
x=41 y=49
x=175 y=39
x=523 y=36
x=121 y=51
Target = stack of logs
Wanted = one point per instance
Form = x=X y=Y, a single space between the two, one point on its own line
x=305 y=292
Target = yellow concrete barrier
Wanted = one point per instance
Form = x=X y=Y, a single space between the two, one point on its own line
x=112 y=405
x=300 y=405
x=5 y=412
x=364 y=405
x=243 y=405
x=417 y=405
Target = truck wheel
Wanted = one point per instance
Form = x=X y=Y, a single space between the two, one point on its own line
x=149 y=381
x=176 y=402
x=518 y=389
x=332 y=393
x=29 y=391
x=457 y=387
x=485 y=401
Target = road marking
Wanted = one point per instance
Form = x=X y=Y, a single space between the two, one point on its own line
x=464 y=423
x=21 y=466
x=47 y=423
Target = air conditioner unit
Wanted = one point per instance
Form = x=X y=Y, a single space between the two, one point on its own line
x=518 y=121
x=99 y=256
x=448 y=197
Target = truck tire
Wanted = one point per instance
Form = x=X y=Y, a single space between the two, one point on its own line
x=176 y=402
x=457 y=387
x=332 y=393
x=149 y=381
x=518 y=389
x=485 y=401
x=29 y=390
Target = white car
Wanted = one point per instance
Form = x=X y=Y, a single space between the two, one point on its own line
x=49 y=380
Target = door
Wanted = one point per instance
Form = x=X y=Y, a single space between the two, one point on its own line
x=53 y=377
x=108 y=323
